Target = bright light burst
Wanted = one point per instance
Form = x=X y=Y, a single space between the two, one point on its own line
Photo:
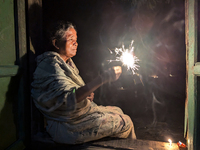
x=127 y=57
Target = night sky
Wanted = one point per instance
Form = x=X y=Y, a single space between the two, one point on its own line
x=155 y=97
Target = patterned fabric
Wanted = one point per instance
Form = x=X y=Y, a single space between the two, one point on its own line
x=53 y=91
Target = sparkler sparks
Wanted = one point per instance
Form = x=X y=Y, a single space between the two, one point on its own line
x=127 y=57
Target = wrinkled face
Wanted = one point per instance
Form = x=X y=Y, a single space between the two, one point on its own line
x=70 y=47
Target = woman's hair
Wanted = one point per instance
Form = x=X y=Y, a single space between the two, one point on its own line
x=57 y=32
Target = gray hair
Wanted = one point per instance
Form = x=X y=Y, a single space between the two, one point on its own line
x=60 y=30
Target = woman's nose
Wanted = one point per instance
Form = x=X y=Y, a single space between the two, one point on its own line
x=75 y=44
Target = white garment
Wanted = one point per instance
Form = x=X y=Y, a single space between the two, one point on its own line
x=53 y=90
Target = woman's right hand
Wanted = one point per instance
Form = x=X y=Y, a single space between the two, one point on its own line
x=112 y=74
x=109 y=75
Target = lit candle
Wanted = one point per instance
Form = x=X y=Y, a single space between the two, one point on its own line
x=170 y=142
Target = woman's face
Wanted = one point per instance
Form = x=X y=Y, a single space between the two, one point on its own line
x=70 y=47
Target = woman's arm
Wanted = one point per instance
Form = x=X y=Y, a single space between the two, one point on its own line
x=108 y=76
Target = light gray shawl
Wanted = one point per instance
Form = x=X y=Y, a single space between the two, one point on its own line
x=53 y=88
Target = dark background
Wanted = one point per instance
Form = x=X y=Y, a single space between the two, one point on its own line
x=155 y=97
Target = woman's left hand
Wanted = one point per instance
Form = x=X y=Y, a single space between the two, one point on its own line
x=91 y=97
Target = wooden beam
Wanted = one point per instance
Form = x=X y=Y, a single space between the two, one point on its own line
x=135 y=144
x=191 y=83
x=8 y=70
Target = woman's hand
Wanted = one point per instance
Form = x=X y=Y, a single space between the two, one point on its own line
x=118 y=71
x=109 y=75
x=91 y=97
x=112 y=74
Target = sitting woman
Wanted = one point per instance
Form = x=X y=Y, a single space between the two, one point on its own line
x=67 y=102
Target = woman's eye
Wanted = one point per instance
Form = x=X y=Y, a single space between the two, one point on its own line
x=72 y=40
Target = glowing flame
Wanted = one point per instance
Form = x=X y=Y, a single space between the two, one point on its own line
x=170 y=142
x=127 y=57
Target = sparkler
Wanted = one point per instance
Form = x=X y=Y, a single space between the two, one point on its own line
x=127 y=57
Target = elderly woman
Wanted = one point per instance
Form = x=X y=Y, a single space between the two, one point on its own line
x=67 y=102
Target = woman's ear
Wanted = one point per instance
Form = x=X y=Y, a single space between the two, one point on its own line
x=54 y=42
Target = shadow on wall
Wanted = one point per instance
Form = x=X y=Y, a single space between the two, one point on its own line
x=9 y=122
x=18 y=110
x=35 y=48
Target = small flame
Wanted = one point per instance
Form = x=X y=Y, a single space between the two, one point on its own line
x=170 y=142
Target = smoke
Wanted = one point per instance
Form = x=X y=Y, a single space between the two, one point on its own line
x=154 y=102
